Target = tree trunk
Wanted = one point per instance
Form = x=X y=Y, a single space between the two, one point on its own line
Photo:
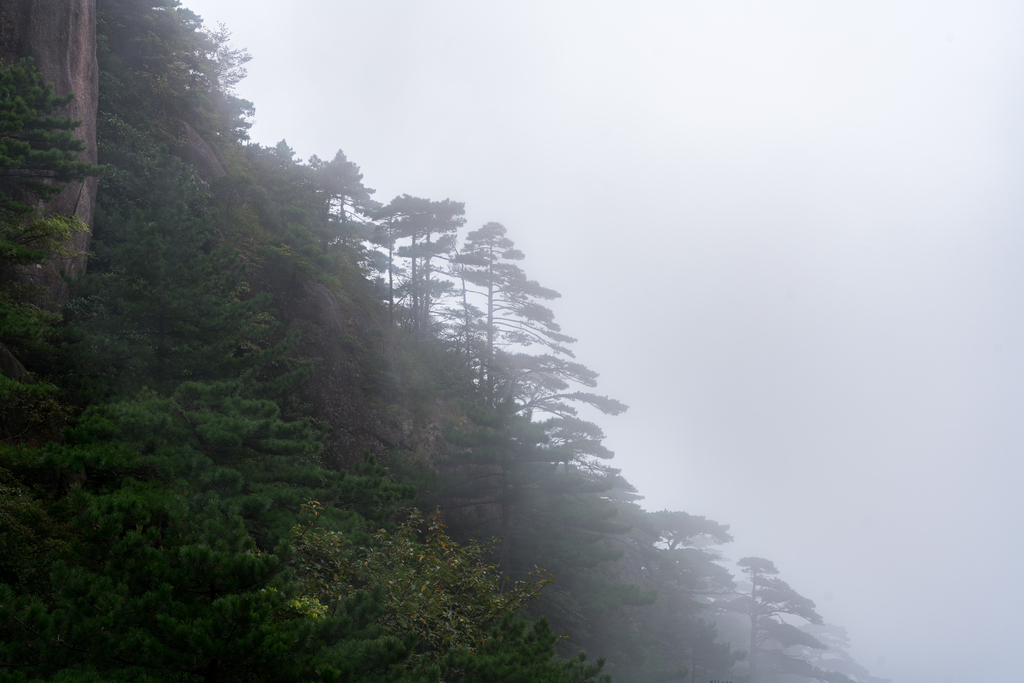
x=506 y=525
x=391 y=284
x=415 y=291
x=753 y=628
x=425 y=313
x=490 y=327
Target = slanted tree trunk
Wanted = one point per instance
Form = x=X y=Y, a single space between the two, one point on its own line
x=489 y=361
x=425 y=321
x=753 y=628
x=391 y=284
x=506 y=526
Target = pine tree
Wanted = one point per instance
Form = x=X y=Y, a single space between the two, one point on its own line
x=668 y=551
x=165 y=304
x=769 y=599
x=512 y=315
x=502 y=458
x=38 y=156
x=512 y=318
x=37 y=149
x=159 y=69
x=349 y=202
x=180 y=563
x=518 y=652
x=512 y=482
x=430 y=227
x=444 y=593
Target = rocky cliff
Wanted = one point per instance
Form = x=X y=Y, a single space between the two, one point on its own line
x=352 y=390
x=60 y=35
x=344 y=393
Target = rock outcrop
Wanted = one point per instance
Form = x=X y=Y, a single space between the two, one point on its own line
x=204 y=156
x=344 y=392
x=352 y=390
x=11 y=367
x=60 y=35
x=335 y=393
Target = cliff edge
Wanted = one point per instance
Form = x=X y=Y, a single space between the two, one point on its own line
x=60 y=36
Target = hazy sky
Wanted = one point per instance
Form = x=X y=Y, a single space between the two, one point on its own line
x=787 y=234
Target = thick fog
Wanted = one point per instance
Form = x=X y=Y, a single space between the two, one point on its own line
x=788 y=235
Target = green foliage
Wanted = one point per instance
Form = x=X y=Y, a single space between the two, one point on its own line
x=546 y=383
x=159 y=68
x=834 y=664
x=162 y=579
x=130 y=157
x=185 y=527
x=165 y=305
x=30 y=410
x=37 y=148
x=512 y=475
x=23 y=325
x=37 y=158
x=177 y=558
x=33 y=238
x=30 y=538
x=430 y=226
x=769 y=600
x=513 y=314
x=222 y=442
x=518 y=652
x=349 y=203
x=444 y=593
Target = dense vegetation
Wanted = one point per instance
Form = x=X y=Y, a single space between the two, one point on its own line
x=172 y=508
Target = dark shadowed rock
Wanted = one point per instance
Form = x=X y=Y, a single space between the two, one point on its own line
x=335 y=393
x=345 y=391
x=11 y=367
x=202 y=155
x=60 y=35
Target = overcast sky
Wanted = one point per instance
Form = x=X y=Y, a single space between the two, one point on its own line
x=787 y=234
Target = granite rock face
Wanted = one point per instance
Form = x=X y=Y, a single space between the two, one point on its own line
x=60 y=35
x=12 y=367
x=343 y=392
x=205 y=157
x=334 y=394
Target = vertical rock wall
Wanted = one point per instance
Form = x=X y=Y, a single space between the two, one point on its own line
x=60 y=35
